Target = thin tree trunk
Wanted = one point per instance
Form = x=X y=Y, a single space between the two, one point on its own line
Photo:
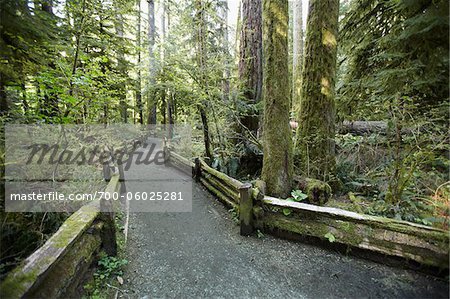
x=315 y=137
x=151 y=100
x=297 y=38
x=201 y=56
x=121 y=66
x=277 y=145
x=227 y=58
x=139 y=79
x=207 y=141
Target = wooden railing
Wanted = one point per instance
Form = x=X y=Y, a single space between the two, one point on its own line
x=422 y=244
x=56 y=269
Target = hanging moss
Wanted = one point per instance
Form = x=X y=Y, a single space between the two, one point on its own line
x=315 y=148
x=277 y=162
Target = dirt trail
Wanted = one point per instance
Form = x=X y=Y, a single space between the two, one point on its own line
x=201 y=254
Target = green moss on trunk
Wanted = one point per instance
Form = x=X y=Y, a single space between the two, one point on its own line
x=277 y=163
x=315 y=148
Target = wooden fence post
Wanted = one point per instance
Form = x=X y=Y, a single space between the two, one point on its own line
x=166 y=154
x=197 y=169
x=106 y=172
x=246 y=209
x=123 y=188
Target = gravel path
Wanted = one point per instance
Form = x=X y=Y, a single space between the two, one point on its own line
x=202 y=255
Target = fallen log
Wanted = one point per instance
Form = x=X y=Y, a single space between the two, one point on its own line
x=363 y=127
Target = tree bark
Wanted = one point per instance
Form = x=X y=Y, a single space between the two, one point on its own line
x=250 y=62
x=227 y=58
x=297 y=56
x=277 y=145
x=201 y=36
x=315 y=137
x=121 y=65
x=138 y=82
x=151 y=102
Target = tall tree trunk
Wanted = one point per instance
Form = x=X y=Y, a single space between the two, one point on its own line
x=151 y=100
x=171 y=92
x=226 y=56
x=201 y=35
x=315 y=136
x=277 y=145
x=139 y=79
x=51 y=101
x=121 y=65
x=250 y=63
x=297 y=38
x=206 y=139
x=163 y=64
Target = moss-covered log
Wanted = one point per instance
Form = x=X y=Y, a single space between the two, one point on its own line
x=315 y=148
x=277 y=146
x=420 y=243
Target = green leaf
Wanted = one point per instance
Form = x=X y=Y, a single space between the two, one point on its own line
x=298 y=195
x=287 y=211
x=330 y=237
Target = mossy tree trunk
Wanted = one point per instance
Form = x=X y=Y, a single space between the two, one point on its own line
x=315 y=148
x=250 y=64
x=277 y=163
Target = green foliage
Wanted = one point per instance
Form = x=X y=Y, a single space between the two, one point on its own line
x=109 y=268
x=234 y=215
x=393 y=49
x=331 y=238
x=259 y=234
x=298 y=195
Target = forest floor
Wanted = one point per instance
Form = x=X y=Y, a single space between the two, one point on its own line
x=201 y=254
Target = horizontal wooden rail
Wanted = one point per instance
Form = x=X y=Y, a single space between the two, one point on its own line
x=181 y=160
x=231 y=182
x=403 y=239
x=417 y=242
x=55 y=269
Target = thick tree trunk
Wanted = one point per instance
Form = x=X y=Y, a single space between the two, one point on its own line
x=151 y=101
x=315 y=137
x=277 y=146
x=297 y=56
x=250 y=63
